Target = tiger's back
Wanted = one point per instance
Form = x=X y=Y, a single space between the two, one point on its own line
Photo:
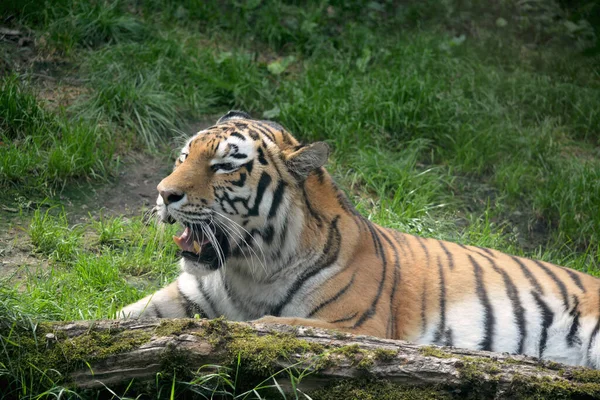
x=269 y=234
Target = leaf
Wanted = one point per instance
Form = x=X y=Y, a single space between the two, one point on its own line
x=279 y=66
x=363 y=61
x=457 y=41
x=501 y=22
x=571 y=26
x=223 y=56
x=376 y=6
x=272 y=113
x=309 y=26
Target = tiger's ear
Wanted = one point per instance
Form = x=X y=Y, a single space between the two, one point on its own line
x=307 y=159
x=234 y=114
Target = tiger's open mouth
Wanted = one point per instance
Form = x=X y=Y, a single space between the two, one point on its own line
x=203 y=244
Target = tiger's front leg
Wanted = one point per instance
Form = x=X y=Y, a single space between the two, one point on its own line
x=165 y=303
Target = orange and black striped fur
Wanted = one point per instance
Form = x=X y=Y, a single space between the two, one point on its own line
x=269 y=235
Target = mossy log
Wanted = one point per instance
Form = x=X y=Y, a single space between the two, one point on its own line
x=93 y=354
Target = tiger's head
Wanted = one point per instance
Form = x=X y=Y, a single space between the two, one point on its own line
x=232 y=189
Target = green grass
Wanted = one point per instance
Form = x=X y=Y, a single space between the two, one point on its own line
x=95 y=268
x=471 y=121
x=42 y=151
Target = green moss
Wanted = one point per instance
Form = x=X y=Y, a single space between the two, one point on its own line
x=366 y=362
x=385 y=355
x=257 y=353
x=583 y=375
x=371 y=389
x=174 y=327
x=350 y=351
x=94 y=345
x=340 y=335
x=433 y=351
x=56 y=355
x=478 y=380
x=534 y=388
x=361 y=358
x=548 y=364
x=510 y=360
x=175 y=364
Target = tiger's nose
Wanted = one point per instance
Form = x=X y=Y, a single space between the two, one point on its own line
x=171 y=195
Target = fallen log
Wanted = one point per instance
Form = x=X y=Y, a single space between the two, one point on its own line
x=324 y=364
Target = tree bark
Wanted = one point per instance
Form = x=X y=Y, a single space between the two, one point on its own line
x=139 y=349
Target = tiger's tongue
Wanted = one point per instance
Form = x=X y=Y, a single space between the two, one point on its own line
x=186 y=241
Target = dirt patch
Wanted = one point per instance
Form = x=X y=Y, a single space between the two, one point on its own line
x=16 y=254
x=131 y=193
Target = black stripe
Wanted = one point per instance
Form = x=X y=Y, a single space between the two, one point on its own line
x=372 y=310
x=403 y=243
x=273 y=125
x=190 y=307
x=347 y=318
x=423 y=307
x=249 y=165
x=462 y=246
x=397 y=275
x=320 y=174
x=487 y=251
x=442 y=326
x=559 y=283
x=575 y=277
x=245 y=306
x=209 y=301
x=346 y=204
x=547 y=318
x=489 y=318
x=448 y=338
x=241 y=181
x=420 y=240
x=239 y=156
x=267 y=233
x=330 y=254
x=263 y=183
x=339 y=294
x=308 y=204
x=592 y=337
x=223 y=167
x=594 y=334
x=253 y=134
x=572 y=336
x=376 y=241
x=277 y=198
x=513 y=294
x=157 y=311
x=267 y=133
x=448 y=255
x=238 y=135
x=261 y=156
x=282 y=236
x=240 y=125
x=528 y=275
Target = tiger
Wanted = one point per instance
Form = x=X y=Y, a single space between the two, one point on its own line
x=268 y=236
